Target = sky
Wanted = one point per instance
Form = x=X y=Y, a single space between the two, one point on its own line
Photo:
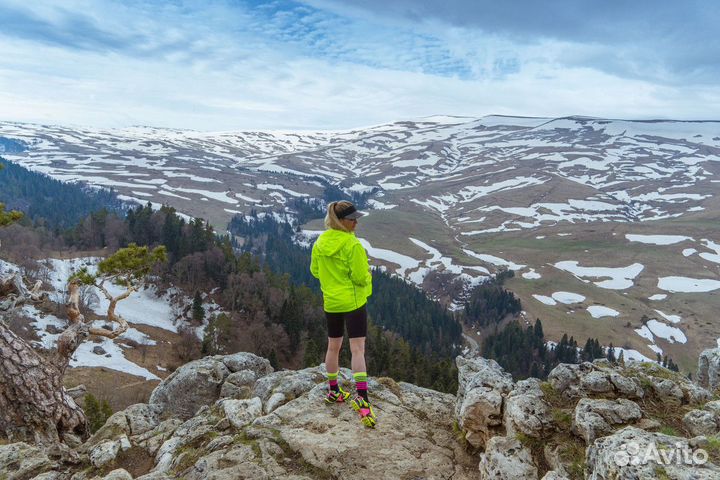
x=328 y=64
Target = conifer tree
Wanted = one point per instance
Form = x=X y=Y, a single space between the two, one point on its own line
x=198 y=312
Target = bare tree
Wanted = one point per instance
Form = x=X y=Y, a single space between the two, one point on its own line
x=34 y=405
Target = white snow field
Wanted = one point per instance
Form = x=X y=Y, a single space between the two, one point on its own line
x=599 y=311
x=687 y=285
x=657 y=239
x=620 y=278
x=568 y=297
x=544 y=299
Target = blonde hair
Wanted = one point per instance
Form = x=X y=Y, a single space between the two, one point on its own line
x=331 y=219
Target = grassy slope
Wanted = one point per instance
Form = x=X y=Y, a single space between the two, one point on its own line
x=596 y=244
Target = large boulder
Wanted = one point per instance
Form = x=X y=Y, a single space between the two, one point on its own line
x=637 y=454
x=278 y=388
x=106 y=451
x=241 y=412
x=597 y=417
x=593 y=379
x=505 y=458
x=701 y=422
x=238 y=385
x=708 y=372
x=483 y=386
x=526 y=410
x=245 y=361
x=305 y=438
x=667 y=386
x=414 y=437
x=190 y=387
x=20 y=461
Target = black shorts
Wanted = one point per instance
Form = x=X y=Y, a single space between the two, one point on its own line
x=356 y=323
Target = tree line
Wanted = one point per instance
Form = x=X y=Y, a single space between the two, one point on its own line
x=51 y=202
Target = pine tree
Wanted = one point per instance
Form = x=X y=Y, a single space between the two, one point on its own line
x=92 y=412
x=198 y=312
x=272 y=358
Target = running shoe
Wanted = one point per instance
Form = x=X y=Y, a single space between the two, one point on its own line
x=367 y=416
x=337 y=397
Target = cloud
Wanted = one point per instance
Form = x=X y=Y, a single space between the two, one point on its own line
x=314 y=64
x=663 y=40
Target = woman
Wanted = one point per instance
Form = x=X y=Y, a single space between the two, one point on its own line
x=341 y=264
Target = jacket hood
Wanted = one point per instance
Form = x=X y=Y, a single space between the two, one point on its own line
x=332 y=241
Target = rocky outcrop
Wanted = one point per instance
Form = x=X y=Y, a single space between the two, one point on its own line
x=596 y=417
x=589 y=379
x=20 y=461
x=635 y=453
x=505 y=458
x=201 y=382
x=483 y=386
x=526 y=410
x=708 y=372
x=250 y=422
x=705 y=421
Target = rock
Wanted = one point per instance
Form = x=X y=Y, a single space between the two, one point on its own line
x=588 y=379
x=553 y=475
x=506 y=458
x=119 y=474
x=152 y=440
x=191 y=386
x=634 y=381
x=104 y=452
x=76 y=392
x=648 y=424
x=278 y=388
x=142 y=418
x=242 y=412
x=52 y=475
x=636 y=454
x=699 y=442
x=325 y=437
x=238 y=384
x=71 y=440
x=708 y=372
x=246 y=361
x=21 y=461
x=714 y=407
x=526 y=410
x=99 y=350
x=156 y=476
x=666 y=385
x=701 y=422
x=482 y=388
x=597 y=417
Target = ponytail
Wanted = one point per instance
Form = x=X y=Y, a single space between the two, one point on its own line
x=331 y=219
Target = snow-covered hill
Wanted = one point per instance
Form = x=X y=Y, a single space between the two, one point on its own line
x=479 y=175
x=606 y=222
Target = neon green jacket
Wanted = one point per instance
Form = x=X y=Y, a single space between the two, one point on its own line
x=341 y=264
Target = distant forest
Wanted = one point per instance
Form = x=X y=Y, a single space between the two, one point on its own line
x=51 y=202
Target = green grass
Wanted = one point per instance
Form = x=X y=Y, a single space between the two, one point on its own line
x=713 y=448
x=563 y=418
x=667 y=430
x=242 y=438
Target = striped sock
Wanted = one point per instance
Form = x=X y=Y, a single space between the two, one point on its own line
x=361 y=384
x=333 y=382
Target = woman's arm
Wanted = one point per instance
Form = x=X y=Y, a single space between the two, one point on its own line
x=359 y=266
x=314 y=269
